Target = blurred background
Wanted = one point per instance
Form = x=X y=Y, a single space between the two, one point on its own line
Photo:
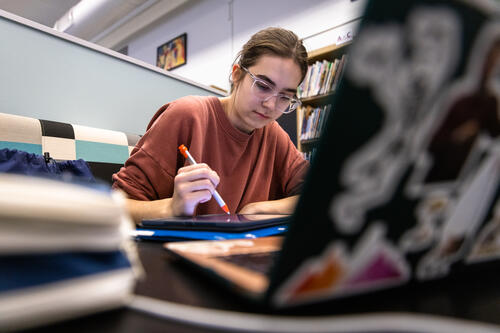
x=215 y=29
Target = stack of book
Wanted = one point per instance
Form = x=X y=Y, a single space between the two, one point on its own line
x=65 y=251
x=313 y=121
x=322 y=77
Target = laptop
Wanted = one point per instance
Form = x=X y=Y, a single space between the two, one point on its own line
x=404 y=187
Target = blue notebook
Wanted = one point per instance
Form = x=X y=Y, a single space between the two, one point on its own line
x=180 y=235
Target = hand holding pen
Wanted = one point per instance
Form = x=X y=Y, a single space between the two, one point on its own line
x=202 y=184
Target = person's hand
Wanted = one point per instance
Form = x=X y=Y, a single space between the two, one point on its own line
x=193 y=184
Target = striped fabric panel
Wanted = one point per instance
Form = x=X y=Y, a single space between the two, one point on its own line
x=27 y=147
x=58 y=139
x=57 y=129
x=84 y=133
x=59 y=148
x=100 y=145
x=101 y=152
x=22 y=133
x=104 y=150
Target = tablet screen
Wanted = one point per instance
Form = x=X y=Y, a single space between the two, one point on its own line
x=219 y=222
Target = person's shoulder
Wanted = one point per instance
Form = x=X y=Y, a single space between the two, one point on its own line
x=273 y=134
x=184 y=109
x=286 y=153
x=176 y=121
x=186 y=105
x=274 y=129
x=192 y=101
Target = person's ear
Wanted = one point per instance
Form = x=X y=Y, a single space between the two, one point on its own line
x=236 y=73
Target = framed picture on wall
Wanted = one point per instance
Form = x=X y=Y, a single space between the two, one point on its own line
x=173 y=53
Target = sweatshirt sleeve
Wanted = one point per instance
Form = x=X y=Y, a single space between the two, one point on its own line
x=293 y=166
x=142 y=178
x=149 y=172
x=297 y=168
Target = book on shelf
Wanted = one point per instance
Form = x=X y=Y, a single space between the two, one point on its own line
x=308 y=155
x=340 y=71
x=313 y=121
x=322 y=77
x=325 y=88
x=320 y=82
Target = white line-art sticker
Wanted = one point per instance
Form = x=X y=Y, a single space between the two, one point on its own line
x=487 y=245
x=457 y=174
x=403 y=87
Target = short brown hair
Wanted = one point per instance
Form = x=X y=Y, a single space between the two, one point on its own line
x=273 y=41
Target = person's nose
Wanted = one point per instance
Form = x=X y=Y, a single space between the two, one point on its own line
x=270 y=102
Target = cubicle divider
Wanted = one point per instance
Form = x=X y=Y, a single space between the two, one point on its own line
x=51 y=75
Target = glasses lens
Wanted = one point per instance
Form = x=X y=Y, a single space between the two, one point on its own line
x=283 y=102
x=261 y=89
x=292 y=106
x=264 y=91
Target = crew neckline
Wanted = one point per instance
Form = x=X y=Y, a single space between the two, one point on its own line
x=225 y=123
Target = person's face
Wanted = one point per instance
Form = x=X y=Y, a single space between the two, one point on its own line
x=251 y=110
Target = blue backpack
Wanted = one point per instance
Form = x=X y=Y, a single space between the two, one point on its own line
x=21 y=162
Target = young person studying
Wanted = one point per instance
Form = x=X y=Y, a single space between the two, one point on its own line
x=239 y=147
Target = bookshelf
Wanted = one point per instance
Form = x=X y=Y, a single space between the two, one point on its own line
x=326 y=66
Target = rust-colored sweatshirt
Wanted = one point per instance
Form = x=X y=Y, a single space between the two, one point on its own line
x=263 y=165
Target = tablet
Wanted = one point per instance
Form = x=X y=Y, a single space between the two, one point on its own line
x=218 y=222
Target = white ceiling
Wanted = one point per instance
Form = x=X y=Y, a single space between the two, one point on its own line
x=111 y=25
x=46 y=12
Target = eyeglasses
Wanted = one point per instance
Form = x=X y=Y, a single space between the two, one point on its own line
x=264 y=91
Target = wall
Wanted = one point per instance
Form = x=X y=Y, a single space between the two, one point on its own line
x=217 y=29
x=48 y=75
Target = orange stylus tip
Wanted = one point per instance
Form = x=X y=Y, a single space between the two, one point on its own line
x=183 y=149
x=224 y=208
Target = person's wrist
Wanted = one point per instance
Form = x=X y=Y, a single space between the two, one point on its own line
x=166 y=208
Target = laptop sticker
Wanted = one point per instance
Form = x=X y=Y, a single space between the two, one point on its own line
x=317 y=277
x=451 y=203
x=457 y=176
x=461 y=226
x=373 y=263
x=429 y=212
x=487 y=246
x=447 y=147
x=372 y=173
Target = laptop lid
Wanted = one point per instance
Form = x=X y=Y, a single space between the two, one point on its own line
x=405 y=184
